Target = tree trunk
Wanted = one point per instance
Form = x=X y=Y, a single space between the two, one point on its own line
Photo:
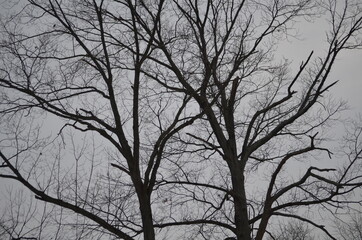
x=240 y=205
x=146 y=213
x=262 y=226
x=144 y=200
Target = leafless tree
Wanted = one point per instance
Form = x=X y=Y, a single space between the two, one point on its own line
x=292 y=230
x=172 y=119
x=22 y=218
x=348 y=221
x=350 y=228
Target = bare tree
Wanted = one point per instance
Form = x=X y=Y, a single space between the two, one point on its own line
x=292 y=230
x=348 y=221
x=22 y=218
x=350 y=228
x=166 y=115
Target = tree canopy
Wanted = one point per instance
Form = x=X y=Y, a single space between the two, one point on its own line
x=172 y=119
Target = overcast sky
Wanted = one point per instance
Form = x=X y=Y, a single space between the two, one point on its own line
x=347 y=69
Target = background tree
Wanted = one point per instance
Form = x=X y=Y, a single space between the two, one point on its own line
x=292 y=230
x=350 y=228
x=165 y=114
x=348 y=222
x=17 y=220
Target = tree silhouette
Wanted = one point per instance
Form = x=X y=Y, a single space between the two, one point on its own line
x=171 y=119
x=292 y=230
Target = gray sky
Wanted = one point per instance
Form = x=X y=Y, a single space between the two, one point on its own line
x=347 y=69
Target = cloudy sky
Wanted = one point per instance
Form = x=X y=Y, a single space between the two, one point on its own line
x=347 y=69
